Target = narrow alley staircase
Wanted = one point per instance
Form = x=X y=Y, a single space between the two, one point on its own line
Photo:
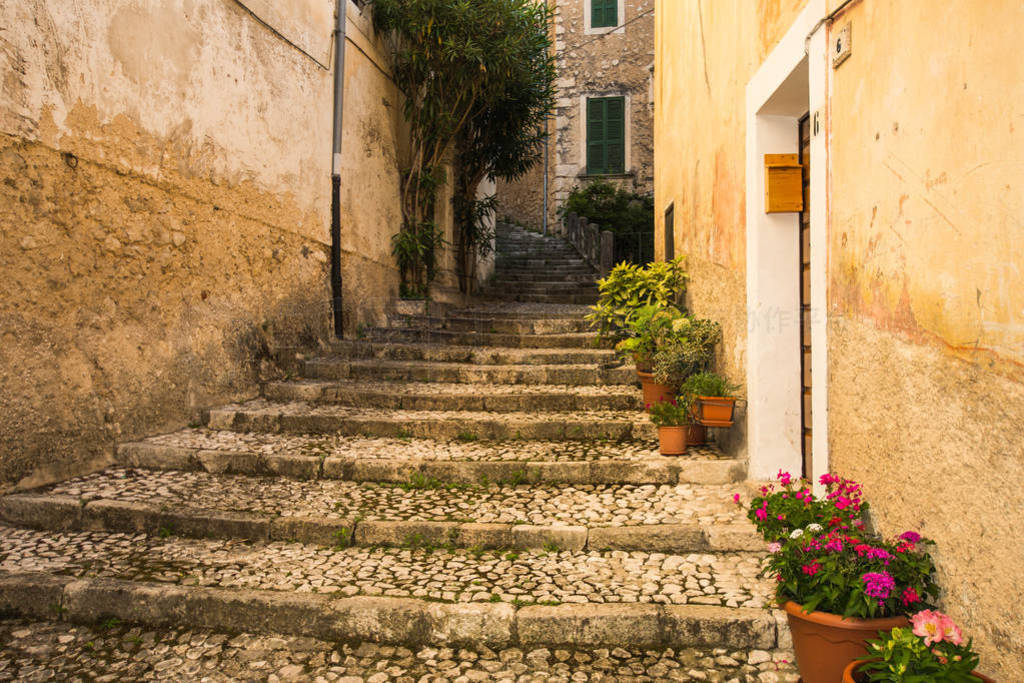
x=482 y=479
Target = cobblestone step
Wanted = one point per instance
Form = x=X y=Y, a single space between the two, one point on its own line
x=446 y=353
x=40 y=650
x=520 y=325
x=465 y=373
x=421 y=512
x=576 y=340
x=547 y=298
x=400 y=460
x=302 y=418
x=401 y=596
x=500 y=398
x=512 y=278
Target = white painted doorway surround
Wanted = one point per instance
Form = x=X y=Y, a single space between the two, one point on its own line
x=791 y=82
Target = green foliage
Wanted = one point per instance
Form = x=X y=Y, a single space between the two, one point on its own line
x=686 y=349
x=900 y=656
x=477 y=79
x=611 y=207
x=649 y=324
x=674 y=413
x=630 y=287
x=789 y=504
x=416 y=251
x=707 y=384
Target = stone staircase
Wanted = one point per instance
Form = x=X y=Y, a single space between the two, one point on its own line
x=531 y=267
x=479 y=477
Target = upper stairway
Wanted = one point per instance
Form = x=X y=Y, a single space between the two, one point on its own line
x=530 y=267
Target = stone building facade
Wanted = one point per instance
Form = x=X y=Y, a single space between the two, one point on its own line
x=878 y=334
x=603 y=123
x=165 y=210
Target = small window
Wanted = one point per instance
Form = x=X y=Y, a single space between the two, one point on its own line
x=670 y=232
x=604 y=13
x=606 y=135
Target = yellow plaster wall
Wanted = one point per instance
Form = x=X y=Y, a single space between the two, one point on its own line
x=926 y=294
x=165 y=213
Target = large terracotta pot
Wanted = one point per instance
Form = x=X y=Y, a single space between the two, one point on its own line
x=850 y=674
x=825 y=643
x=654 y=392
x=672 y=440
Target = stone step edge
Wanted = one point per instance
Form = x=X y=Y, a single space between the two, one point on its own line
x=679 y=470
x=486 y=426
x=66 y=513
x=399 y=621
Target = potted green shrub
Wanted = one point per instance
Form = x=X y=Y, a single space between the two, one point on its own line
x=684 y=349
x=628 y=288
x=838 y=584
x=651 y=324
x=932 y=650
x=672 y=418
x=714 y=404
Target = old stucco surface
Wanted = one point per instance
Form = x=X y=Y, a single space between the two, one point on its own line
x=592 y=65
x=164 y=215
x=926 y=295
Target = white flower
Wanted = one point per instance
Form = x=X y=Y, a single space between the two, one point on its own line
x=814 y=527
x=797 y=533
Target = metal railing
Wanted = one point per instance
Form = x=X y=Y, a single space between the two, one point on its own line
x=603 y=249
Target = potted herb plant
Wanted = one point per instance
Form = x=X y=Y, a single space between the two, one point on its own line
x=685 y=348
x=932 y=650
x=650 y=325
x=713 y=402
x=672 y=418
x=838 y=584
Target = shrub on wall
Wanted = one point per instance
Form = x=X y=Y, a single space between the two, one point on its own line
x=613 y=208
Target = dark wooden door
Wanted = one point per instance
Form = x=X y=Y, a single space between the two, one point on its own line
x=805 y=298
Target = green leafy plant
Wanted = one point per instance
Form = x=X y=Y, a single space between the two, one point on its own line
x=931 y=651
x=687 y=348
x=629 y=287
x=789 y=503
x=674 y=413
x=649 y=324
x=707 y=384
x=416 y=250
x=611 y=207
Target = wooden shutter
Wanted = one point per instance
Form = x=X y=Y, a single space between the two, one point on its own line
x=596 y=136
x=615 y=135
x=604 y=13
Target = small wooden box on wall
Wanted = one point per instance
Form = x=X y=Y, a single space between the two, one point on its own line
x=783 y=183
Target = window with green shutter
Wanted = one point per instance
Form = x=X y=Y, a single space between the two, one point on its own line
x=606 y=135
x=604 y=13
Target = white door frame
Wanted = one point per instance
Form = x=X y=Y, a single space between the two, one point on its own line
x=791 y=81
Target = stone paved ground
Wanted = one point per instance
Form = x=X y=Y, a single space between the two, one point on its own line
x=32 y=651
x=586 y=505
x=724 y=579
x=371 y=448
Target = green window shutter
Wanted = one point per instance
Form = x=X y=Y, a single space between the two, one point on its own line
x=595 y=136
x=615 y=135
x=604 y=13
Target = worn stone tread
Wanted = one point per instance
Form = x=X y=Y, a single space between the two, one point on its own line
x=396 y=460
x=34 y=651
x=299 y=417
x=447 y=396
x=475 y=355
x=518 y=577
x=680 y=518
x=569 y=340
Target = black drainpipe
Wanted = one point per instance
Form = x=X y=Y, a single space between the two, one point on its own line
x=339 y=102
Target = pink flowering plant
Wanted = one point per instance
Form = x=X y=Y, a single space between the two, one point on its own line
x=790 y=504
x=845 y=571
x=673 y=413
x=931 y=651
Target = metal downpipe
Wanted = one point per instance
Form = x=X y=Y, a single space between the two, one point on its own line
x=339 y=104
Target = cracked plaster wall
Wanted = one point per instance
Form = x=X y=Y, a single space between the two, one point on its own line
x=165 y=213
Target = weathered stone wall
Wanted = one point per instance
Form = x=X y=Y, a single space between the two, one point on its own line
x=592 y=63
x=925 y=328
x=165 y=212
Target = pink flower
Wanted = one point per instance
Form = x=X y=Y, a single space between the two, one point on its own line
x=909 y=596
x=761 y=514
x=784 y=478
x=736 y=498
x=878 y=584
x=774 y=547
x=950 y=631
x=910 y=536
x=811 y=569
x=928 y=625
x=827 y=479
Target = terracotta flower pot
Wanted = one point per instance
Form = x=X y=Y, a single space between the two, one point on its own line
x=716 y=411
x=654 y=392
x=672 y=440
x=850 y=674
x=826 y=643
